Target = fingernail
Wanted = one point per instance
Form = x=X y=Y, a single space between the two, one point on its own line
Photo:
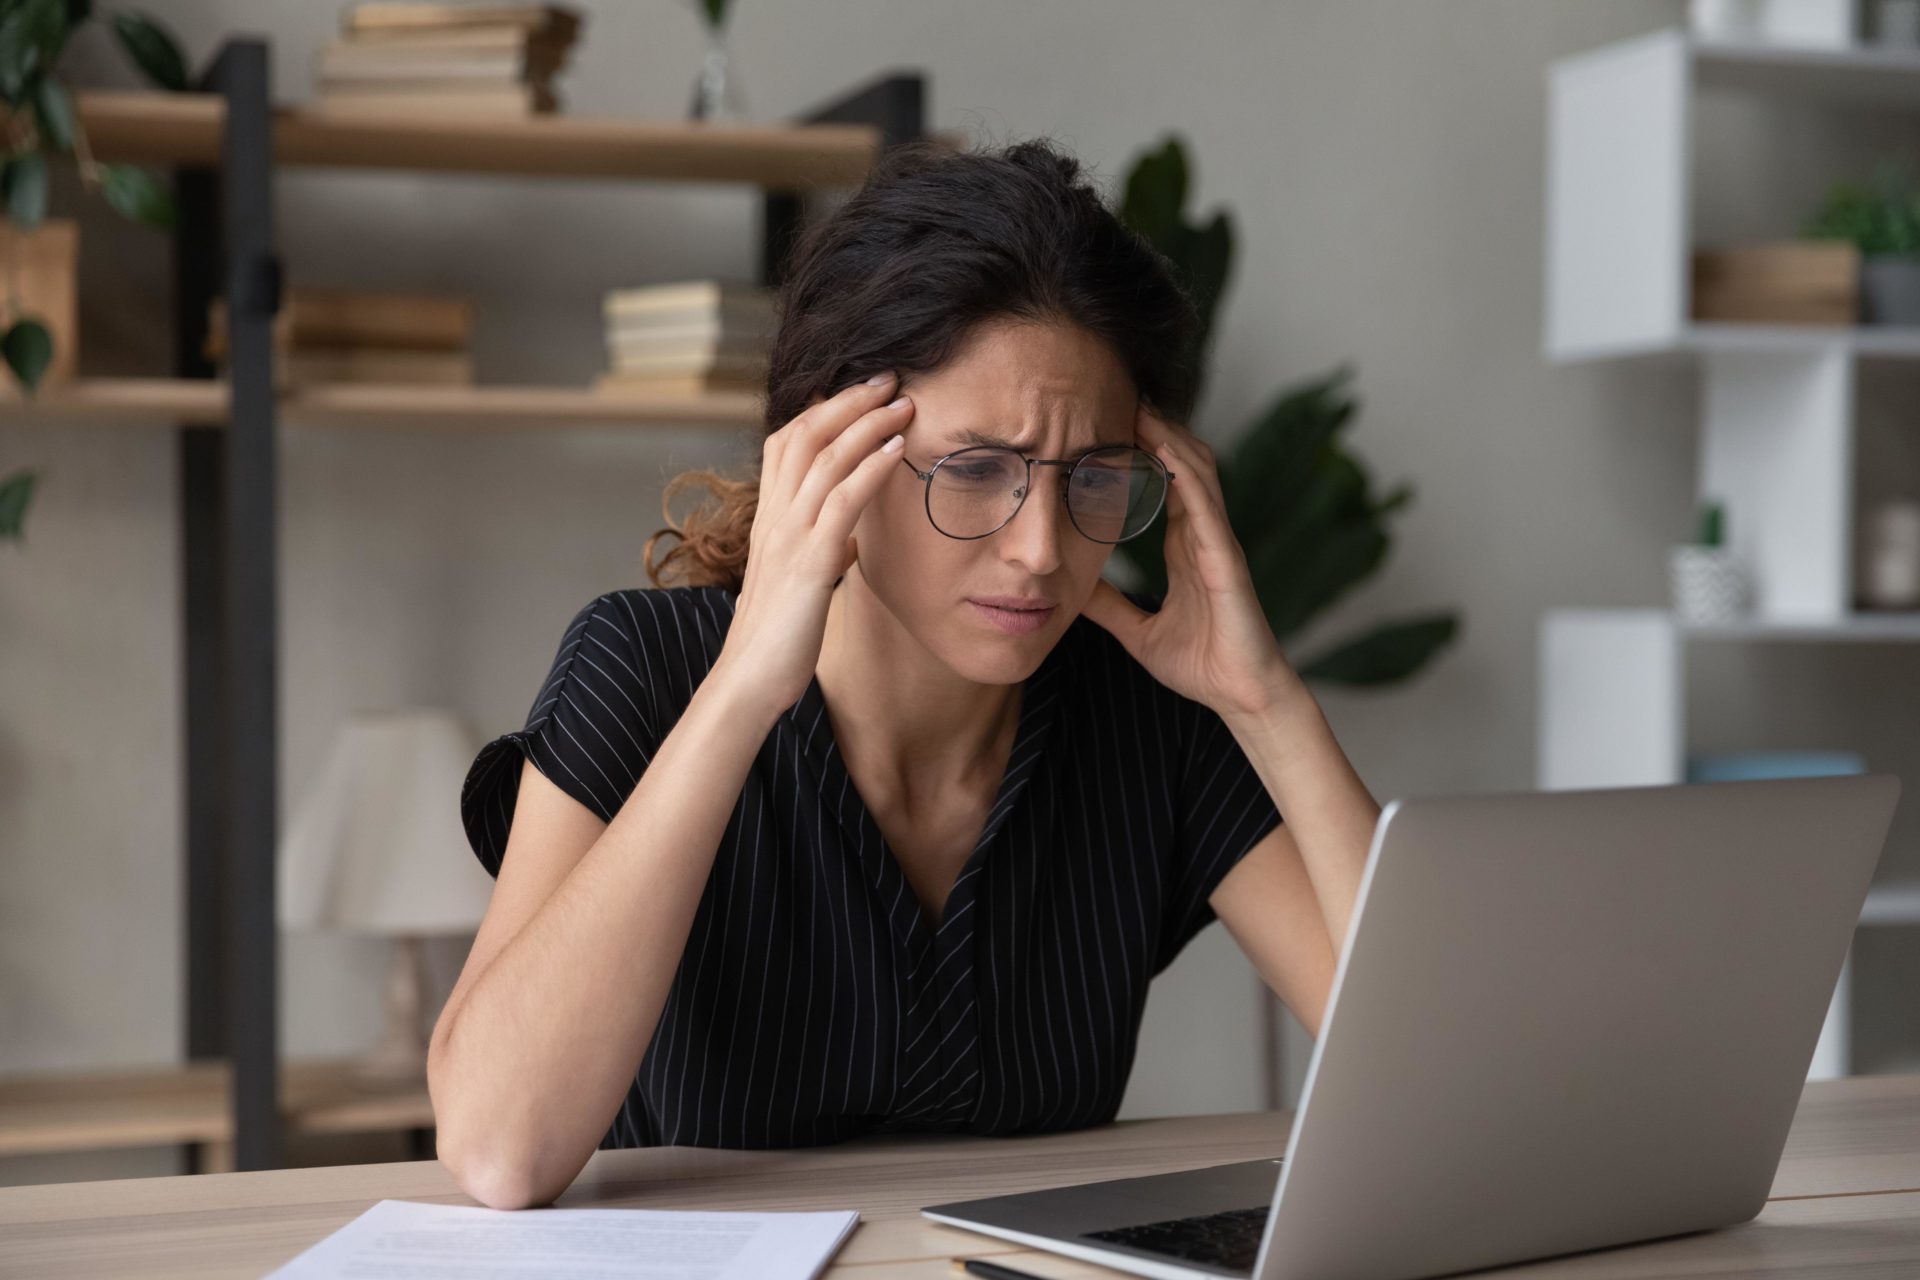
x=893 y=445
x=897 y=401
x=884 y=376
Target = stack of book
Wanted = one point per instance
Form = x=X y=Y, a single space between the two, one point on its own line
x=496 y=59
x=688 y=338
x=1814 y=282
x=353 y=335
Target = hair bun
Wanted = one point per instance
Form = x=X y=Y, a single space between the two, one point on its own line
x=1039 y=156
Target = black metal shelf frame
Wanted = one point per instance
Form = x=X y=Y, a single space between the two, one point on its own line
x=223 y=243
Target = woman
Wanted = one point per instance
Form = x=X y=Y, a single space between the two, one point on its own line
x=884 y=819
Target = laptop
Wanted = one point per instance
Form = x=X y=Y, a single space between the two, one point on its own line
x=1562 y=1020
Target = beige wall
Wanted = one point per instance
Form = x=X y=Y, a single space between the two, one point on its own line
x=1383 y=160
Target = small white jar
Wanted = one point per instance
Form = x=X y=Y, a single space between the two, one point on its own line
x=1893 y=556
x=1709 y=584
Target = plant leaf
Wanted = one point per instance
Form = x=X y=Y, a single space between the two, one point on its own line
x=28 y=348
x=1387 y=654
x=32 y=34
x=25 y=183
x=152 y=48
x=1156 y=191
x=1302 y=580
x=1266 y=476
x=53 y=107
x=15 y=492
x=137 y=194
x=1199 y=257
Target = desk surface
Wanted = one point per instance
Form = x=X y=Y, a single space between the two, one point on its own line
x=1847 y=1198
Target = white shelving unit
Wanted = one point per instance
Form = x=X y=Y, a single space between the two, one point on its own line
x=1777 y=413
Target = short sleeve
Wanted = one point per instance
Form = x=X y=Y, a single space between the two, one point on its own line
x=1222 y=809
x=589 y=730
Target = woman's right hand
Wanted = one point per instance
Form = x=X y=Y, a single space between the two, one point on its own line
x=817 y=474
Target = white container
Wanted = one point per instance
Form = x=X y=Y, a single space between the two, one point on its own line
x=1709 y=584
x=1893 y=556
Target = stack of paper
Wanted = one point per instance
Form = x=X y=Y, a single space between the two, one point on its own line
x=688 y=337
x=410 y=58
x=419 y=1241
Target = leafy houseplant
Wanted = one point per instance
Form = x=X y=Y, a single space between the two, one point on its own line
x=41 y=121
x=1300 y=503
x=1882 y=218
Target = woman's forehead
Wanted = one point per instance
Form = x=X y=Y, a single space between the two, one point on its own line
x=1025 y=403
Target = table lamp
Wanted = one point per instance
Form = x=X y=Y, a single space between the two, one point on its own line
x=376 y=846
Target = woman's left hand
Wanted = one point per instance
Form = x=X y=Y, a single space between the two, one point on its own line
x=1210 y=641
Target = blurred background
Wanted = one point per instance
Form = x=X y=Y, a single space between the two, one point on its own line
x=1576 y=347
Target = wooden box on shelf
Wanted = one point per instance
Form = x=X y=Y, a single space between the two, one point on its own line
x=1778 y=282
x=324 y=335
x=46 y=260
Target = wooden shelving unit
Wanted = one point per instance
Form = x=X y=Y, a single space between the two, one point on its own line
x=187 y=128
x=189 y=1104
x=208 y=401
x=1777 y=404
x=224 y=143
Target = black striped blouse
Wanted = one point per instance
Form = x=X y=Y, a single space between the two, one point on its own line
x=814 y=1001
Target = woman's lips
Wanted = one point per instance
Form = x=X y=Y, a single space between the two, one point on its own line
x=1016 y=622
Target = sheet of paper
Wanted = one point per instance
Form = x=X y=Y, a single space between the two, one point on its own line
x=412 y=1240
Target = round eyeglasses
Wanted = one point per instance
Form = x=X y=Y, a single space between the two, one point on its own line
x=1113 y=492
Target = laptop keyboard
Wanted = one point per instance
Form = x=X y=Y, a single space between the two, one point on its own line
x=1229 y=1239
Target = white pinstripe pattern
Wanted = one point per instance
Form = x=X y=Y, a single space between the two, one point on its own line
x=1018 y=1010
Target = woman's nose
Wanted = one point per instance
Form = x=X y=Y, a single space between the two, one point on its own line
x=1033 y=535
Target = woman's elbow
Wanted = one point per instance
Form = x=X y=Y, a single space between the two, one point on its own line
x=500 y=1184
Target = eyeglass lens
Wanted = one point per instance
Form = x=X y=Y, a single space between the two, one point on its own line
x=1114 y=492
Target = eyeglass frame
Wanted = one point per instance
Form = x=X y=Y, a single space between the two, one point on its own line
x=926 y=480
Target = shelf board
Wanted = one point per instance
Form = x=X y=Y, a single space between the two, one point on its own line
x=1899 y=342
x=116 y=400
x=184 y=129
x=526 y=407
x=189 y=1102
x=1862 y=75
x=172 y=401
x=1865 y=342
x=1893 y=625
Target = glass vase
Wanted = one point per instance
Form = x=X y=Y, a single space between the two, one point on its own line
x=716 y=91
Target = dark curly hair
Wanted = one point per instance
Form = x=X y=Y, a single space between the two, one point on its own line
x=936 y=242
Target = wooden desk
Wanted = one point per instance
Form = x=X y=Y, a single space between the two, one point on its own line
x=1847 y=1198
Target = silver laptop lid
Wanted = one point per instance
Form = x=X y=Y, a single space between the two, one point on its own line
x=1570 y=1019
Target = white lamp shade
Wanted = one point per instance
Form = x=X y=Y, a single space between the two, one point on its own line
x=376 y=844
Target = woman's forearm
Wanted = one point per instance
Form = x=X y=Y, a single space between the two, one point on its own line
x=529 y=1068
x=1328 y=809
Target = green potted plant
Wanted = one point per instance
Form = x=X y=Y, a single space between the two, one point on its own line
x=1708 y=581
x=1299 y=500
x=41 y=122
x=1882 y=218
